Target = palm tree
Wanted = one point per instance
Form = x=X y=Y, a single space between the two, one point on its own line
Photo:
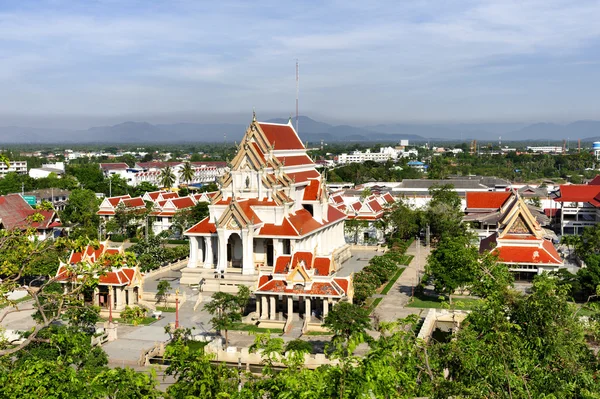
x=187 y=172
x=167 y=177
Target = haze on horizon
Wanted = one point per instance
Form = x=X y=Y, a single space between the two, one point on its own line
x=67 y=63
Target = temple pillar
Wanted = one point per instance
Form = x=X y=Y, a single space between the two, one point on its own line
x=192 y=261
x=96 y=297
x=222 y=250
x=290 y=307
x=119 y=298
x=325 y=307
x=264 y=307
x=257 y=305
x=248 y=251
x=307 y=308
x=272 y=308
x=208 y=259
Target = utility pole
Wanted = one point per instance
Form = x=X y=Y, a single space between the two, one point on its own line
x=297 y=92
x=110 y=187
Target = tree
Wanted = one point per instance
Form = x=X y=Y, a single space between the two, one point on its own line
x=444 y=213
x=354 y=227
x=348 y=322
x=453 y=264
x=162 y=291
x=143 y=188
x=81 y=209
x=167 y=177
x=187 y=172
x=225 y=311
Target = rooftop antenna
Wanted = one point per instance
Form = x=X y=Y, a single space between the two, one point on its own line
x=297 y=90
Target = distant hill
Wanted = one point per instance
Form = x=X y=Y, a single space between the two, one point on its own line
x=310 y=130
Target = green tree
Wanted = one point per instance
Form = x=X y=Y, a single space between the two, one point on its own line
x=354 y=227
x=453 y=264
x=143 y=188
x=349 y=324
x=81 y=209
x=187 y=172
x=444 y=213
x=162 y=291
x=225 y=311
x=167 y=177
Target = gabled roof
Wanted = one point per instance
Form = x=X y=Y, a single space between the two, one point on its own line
x=486 y=199
x=595 y=181
x=579 y=193
x=114 y=166
x=546 y=254
x=204 y=227
x=16 y=213
x=281 y=137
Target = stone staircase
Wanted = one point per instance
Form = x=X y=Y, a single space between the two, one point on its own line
x=228 y=283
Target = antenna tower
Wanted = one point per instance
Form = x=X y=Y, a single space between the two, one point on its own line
x=297 y=90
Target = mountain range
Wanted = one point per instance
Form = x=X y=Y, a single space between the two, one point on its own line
x=310 y=130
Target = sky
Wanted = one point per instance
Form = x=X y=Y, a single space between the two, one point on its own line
x=78 y=63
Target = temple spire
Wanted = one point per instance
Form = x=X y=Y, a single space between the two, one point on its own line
x=253 y=115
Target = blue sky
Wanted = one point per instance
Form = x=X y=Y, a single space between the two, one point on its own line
x=360 y=61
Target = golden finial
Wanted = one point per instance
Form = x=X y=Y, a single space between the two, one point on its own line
x=253 y=115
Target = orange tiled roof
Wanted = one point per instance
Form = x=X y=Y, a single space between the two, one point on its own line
x=311 y=191
x=487 y=199
x=203 y=227
x=283 y=137
x=296 y=160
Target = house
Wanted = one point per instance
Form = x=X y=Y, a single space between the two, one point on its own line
x=57 y=168
x=16 y=213
x=117 y=286
x=271 y=203
x=579 y=206
x=516 y=238
x=19 y=167
x=56 y=196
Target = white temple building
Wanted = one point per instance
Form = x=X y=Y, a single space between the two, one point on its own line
x=271 y=203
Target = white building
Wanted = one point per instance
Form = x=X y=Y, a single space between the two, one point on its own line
x=546 y=149
x=384 y=154
x=19 y=167
x=204 y=172
x=58 y=168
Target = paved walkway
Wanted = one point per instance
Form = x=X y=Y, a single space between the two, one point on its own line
x=391 y=308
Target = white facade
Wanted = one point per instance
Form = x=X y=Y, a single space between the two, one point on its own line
x=19 y=167
x=546 y=149
x=384 y=154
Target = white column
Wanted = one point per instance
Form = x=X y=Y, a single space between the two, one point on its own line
x=222 y=250
x=208 y=259
x=325 y=307
x=272 y=308
x=258 y=305
x=307 y=309
x=193 y=252
x=96 y=297
x=290 y=307
x=247 y=251
x=264 y=307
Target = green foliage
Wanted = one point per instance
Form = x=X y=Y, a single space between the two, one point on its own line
x=167 y=177
x=349 y=323
x=133 y=315
x=225 y=311
x=187 y=172
x=162 y=291
x=81 y=209
x=143 y=188
x=443 y=213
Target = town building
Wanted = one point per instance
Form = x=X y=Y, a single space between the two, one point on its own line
x=56 y=196
x=16 y=213
x=547 y=149
x=368 y=210
x=384 y=154
x=517 y=239
x=117 y=286
x=271 y=203
x=19 y=167
x=57 y=168
x=204 y=172
x=578 y=206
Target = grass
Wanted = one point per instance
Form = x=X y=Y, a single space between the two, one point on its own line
x=25 y=298
x=426 y=302
x=144 y=322
x=374 y=304
x=406 y=259
x=252 y=328
x=166 y=309
x=317 y=333
x=390 y=283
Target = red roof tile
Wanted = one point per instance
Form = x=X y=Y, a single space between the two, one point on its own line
x=203 y=227
x=304 y=222
x=311 y=191
x=300 y=177
x=114 y=201
x=487 y=199
x=343 y=283
x=525 y=254
x=304 y=256
x=595 y=181
x=375 y=206
x=183 y=203
x=388 y=198
x=322 y=266
x=283 y=137
x=296 y=160
x=281 y=264
x=579 y=193
x=136 y=202
x=285 y=229
x=114 y=166
x=15 y=213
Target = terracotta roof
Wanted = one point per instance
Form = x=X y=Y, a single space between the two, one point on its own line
x=595 y=181
x=285 y=229
x=486 y=199
x=388 y=198
x=526 y=254
x=356 y=206
x=375 y=206
x=283 y=137
x=579 y=193
x=322 y=266
x=304 y=222
x=114 y=166
x=15 y=211
x=296 y=160
x=282 y=262
x=305 y=256
x=311 y=191
x=343 y=283
x=170 y=195
x=136 y=202
x=114 y=201
x=183 y=202
x=337 y=199
x=299 y=177
x=203 y=227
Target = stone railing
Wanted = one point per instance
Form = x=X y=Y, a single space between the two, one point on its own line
x=180 y=264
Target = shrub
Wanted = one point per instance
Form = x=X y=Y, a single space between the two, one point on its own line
x=133 y=315
x=117 y=237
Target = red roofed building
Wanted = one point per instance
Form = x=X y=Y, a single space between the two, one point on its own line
x=204 y=172
x=518 y=239
x=579 y=206
x=118 y=287
x=368 y=210
x=16 y=213
x=271 y=203
x=302 y=283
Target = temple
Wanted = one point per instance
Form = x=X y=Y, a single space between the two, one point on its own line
x=272 y=203
x=515 y=235
x=117 y=287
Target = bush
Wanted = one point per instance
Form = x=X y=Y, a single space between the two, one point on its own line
x=134 y=239
x=177 y=242
x=117 y=237
x=134 y=315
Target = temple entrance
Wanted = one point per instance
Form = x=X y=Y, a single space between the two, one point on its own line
x=235 y=251
x=270 y=256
